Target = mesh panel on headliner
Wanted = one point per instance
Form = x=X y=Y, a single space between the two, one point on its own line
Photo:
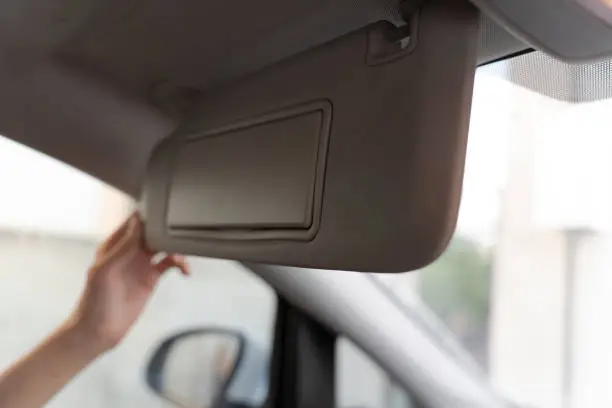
x=541 y=73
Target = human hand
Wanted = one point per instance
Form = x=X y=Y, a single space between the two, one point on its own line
x=119 y=284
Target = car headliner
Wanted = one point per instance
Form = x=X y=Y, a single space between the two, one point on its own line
x=98 y=83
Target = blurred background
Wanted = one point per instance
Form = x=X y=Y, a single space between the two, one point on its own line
x=525 y=285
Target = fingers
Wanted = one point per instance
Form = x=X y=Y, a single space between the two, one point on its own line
x=171 y=261
x=130 y=239
x=112 y=240
x=182 y=264
x=145 y=248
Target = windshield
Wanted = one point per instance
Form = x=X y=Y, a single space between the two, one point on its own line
x=523 y=290
x=525 y=283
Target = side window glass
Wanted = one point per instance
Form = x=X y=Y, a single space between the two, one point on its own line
x=361 y=382
x=51 y=219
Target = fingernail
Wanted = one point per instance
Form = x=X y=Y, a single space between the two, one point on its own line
x=184 y=268
x=183 y=265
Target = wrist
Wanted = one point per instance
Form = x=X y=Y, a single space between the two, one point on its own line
x=78 y=337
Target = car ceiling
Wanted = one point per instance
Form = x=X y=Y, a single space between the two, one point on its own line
x=97 y=83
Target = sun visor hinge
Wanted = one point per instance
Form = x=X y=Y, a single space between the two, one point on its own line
x=395 y=40
x=407 y=11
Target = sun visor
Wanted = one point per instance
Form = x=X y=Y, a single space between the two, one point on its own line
x=348 y=156
x=572 y=30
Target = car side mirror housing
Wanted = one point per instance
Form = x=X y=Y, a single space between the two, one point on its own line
x=209 y=367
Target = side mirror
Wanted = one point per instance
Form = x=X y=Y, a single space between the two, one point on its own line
x=209 y=368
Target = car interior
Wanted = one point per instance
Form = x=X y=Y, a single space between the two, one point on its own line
x=313 y=141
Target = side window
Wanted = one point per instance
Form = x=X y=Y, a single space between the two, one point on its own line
x=51 y=219
x=361 y=382
x=219 y=294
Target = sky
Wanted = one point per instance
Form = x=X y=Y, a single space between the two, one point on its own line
x=487 y=157
x=44 y=195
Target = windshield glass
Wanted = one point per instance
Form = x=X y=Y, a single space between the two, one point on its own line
x=523 y=289
x=525 y=283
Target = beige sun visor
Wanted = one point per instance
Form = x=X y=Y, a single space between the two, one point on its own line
x=348 y=156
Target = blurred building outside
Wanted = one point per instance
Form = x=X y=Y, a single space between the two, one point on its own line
x=552 y=267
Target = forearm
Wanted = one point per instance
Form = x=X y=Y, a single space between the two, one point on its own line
x=39 y=375
x=119 y=284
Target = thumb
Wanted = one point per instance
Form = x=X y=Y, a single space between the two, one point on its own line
x=171 y=261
